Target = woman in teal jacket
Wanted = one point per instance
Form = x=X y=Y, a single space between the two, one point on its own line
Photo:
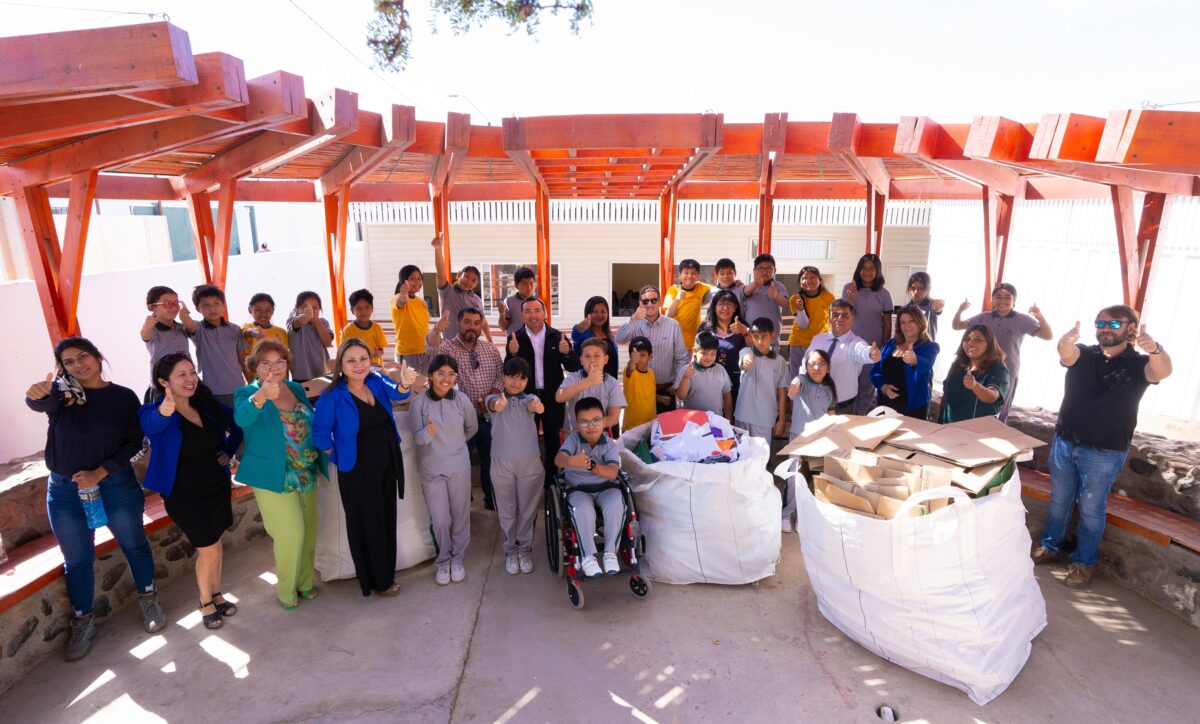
x=281 y=463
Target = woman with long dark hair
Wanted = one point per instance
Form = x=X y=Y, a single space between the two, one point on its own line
x=595 y=324
x=192 y=439
x=811 y=307
x=725 y=321
x=872 y=318
x=353 y=424
x=905 y=365
x=93 y=433
x=978 y=381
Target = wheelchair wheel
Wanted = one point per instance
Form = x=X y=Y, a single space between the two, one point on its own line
x=639 y=586
x=575 y=594
x=554 y=533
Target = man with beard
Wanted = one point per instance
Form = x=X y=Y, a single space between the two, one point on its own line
x=1104 y=386
x=479 y=368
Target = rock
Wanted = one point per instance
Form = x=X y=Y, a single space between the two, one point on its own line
x=169 y=536
x=53 y=630
x=21 y=635
x=125 y=588
x=161 y=572
x=101 y=608
x=255 y=532
x=112 y=575
x=47 y=608
x=175 y=553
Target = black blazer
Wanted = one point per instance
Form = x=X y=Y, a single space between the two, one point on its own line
x=554 y=361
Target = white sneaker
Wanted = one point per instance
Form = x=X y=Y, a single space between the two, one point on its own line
x=526 y=563
x=612 y=565
x=590 y=567
x=511 y=567
x=443 y=574
x=787 y=525
x=457 y=573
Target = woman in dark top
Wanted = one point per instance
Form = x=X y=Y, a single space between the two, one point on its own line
x=595 y=324
x=353 y=424
x=905 y=366
x=725 y=321
x=192 y=439
x=982 y=392
x=93 y=433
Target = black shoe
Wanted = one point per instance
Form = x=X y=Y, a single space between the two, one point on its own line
x=83 y=630
x=489 y=504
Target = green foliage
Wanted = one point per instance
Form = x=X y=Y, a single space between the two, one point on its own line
x=389 y=35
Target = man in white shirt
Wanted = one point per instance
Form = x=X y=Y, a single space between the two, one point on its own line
x=847 y=353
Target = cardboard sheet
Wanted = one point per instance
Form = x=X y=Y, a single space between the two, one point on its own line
x=833 y=433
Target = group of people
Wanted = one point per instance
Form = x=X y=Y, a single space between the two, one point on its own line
x=238 y=410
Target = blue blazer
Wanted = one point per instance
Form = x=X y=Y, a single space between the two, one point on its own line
x=264 y=461
x=166 y=438
x=916 y=378
x=335 y=423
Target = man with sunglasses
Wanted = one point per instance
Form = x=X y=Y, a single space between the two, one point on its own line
x=670 y=353
x=1104 y=386
x=479 y=366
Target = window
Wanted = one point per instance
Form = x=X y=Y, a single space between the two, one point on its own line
x=497 y=285
x=627 y=280
x=806 y=250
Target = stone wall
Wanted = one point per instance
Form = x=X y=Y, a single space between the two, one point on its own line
x=23 y=515
x=36 y=628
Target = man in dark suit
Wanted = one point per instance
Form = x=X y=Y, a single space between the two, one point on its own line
x=548 y=353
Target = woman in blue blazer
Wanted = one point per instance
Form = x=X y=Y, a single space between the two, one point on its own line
x=905 y=367
x=192 y=439
x=281 y=463
x=353 y=424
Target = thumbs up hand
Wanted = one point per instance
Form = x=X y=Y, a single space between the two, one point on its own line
x=431 y=427
x=564 y=346
x=1145 y=342
x=874 y=352
x=1071 y=337
x=41 y=390
x=167 y=408
x=500 y=404
x=535 y=406
x=513 y=347
x=407 y=375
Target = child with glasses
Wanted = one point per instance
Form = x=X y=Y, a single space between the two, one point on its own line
x=590 y=464
x=704 y=384
x=161 y=332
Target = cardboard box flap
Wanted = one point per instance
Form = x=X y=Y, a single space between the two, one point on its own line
x=990 y=427
x=832 y=433
x=912 y=428
x=850 y=501
x=890 y=508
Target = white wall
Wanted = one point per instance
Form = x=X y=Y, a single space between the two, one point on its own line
x=111 y=310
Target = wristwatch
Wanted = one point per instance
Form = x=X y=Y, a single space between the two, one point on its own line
x=591 y=464
x=1158 y=348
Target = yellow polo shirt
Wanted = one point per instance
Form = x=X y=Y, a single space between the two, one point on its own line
x=373 y=336
x=279 y=334
x=412 y=324
x=817 y=309
x=688 y=312
x=639 y=398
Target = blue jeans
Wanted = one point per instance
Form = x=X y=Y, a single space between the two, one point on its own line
x=124 y=504
x=1082 y=475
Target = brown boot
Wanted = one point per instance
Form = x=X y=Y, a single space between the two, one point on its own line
x=1043 y=555
x=1078 y=576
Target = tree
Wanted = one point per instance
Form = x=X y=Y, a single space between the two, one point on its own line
x=390 y=35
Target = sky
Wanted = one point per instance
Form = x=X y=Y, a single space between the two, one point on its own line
x=949 y=60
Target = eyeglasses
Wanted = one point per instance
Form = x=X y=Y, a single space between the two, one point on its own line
x=167 y=305
x=276 y=365
x=817 y=365
x=474 y=359
x=649 y=300
x=1110 y=323
x=598 y=422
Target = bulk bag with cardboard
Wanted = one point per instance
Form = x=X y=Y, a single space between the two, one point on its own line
x=414 y=541
x=949 y=593
x=705 y=522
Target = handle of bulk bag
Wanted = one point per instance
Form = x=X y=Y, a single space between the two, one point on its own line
x=964 y=512
x=882 y=411
x=788 y=468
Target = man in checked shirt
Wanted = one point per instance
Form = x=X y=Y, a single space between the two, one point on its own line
x=670 y=353
x=479 y=366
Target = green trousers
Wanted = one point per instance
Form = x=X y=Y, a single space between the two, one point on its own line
x=291 y=521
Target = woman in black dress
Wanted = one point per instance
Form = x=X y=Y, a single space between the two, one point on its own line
x=192 y=439
x=353 y=423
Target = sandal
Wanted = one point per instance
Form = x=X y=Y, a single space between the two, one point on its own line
x=211 y=620
x=225 y=608
x=289 y=606
x=310 y=594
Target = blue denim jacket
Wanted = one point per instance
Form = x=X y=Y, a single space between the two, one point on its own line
x=335 y=422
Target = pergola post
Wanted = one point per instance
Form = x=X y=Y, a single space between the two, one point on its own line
x=80 y=204
x=997 y=220
x=876 y=203
x=668 y=205
x=541 y=214
x=1137 y=244
x=337 y=217
x=441 y=223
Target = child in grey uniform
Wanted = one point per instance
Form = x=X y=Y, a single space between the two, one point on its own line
x=590 y=380
x=761 y=403
x=444 y=420
x=590 y=464
x=704 y=384
x=518 y=475
x=813 y=395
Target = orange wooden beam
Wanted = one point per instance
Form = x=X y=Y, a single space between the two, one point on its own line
x=1137 y=241
x=923 y=140
x=997 y=221
x=223 y=232
x=397 y=134
x=337 y=216
x=612 y=131
x=1067 y=137
x=542 y=224
x=62 y=119
x=377 y=192
x=330 y=117
x=203 y=232
x=667 y=204
x=1147 y=136
x=79 y=215
x=45 y=258
x=774 y=144
x=845 y=141
x=712 y=134
x=78 y=63
x=494 y=191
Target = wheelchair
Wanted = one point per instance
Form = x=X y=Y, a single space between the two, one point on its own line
x=562 y=540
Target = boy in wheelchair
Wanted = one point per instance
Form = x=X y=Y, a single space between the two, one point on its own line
x=590 y=464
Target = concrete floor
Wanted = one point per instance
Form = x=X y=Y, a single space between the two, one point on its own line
x=510 y=648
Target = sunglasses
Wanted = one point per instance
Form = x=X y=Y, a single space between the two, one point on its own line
x=1111 y=323
x=166 y=305
x=649 y=300
x=474 y=359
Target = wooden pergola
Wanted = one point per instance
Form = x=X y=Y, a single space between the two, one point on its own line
x=131 y=113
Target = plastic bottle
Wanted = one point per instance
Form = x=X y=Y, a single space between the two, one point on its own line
x=93 y=507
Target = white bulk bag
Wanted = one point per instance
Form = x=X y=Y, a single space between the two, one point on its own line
x=706 y=523
x=950 y=595
x=414 y=542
